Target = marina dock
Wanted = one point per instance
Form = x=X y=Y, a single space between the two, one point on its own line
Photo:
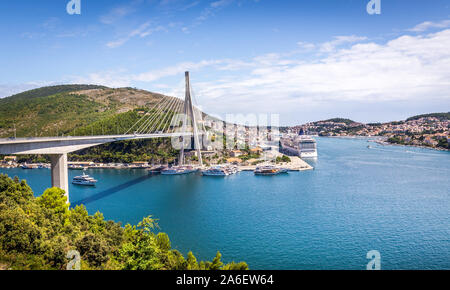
x=296 y=164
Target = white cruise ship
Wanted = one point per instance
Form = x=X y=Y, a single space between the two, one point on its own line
x=299 y=145
x=307 y=147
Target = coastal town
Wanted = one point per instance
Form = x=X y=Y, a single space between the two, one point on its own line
x=431 y=130
x=244 y=160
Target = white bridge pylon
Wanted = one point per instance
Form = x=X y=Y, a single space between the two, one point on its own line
x=189 y=114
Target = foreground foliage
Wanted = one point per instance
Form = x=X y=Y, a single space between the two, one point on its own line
x=37 y=233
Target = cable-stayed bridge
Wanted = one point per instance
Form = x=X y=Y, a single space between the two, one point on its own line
x=169 y=118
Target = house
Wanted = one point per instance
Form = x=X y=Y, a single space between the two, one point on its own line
x=257 y=150
x=10 y=158
x=430 y=141
x=234 y=160
x=236 y=153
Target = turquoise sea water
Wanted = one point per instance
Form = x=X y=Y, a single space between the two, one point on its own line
x=392 y=199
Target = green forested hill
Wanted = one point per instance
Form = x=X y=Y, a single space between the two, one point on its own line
x=79 y=110
x=42 y=112
x=340 y=120
x=440 y=116
x=52 y=90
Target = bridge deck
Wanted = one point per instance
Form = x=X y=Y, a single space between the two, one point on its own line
x=82 y=138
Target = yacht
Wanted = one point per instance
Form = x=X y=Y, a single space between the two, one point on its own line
x=28 y=166
x=76 y=167
x=269 y=170
x=215 y=171
x=84 y=180
x=178 y=170
x=156 y=170
x=220 y=171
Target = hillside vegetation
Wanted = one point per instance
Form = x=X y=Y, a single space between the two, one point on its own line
x=82 y=110
x=440 y=116
x=52 y=90
x=54 y=111
x=38 y=233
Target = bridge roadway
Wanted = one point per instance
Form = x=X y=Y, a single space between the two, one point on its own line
x=58 y=147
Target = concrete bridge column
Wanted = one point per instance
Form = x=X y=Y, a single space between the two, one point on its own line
x=60 y=176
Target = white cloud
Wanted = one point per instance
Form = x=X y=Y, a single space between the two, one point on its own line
x=409 y=69
x=173 y=70
x=424 y=26
x=7 y=90
x=142 y=31
x=119 y=12
x=340 y=40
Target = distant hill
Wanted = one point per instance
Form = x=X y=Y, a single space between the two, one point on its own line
x=440 y=116
x=52 y=90
x=57 y=110
x=340 y=120
x=79 y=110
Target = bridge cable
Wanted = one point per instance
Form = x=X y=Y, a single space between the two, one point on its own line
x=163 y=116
x=176 y=114
x=152 y=116
x=169 y=119
x=144 y=116
x=170 y=115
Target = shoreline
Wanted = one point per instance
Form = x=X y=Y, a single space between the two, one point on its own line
x=382 y=141
x=296 y=164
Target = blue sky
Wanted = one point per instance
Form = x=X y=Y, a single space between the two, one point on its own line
x=305 y=59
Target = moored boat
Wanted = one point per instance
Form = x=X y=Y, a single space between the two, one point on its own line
x=269 y=170
x=28 y=166
x=178 y=170
x=84 y=179
x=156 y=170
x=76 y=167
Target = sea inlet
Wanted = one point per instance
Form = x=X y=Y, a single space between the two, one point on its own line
x=392 y=199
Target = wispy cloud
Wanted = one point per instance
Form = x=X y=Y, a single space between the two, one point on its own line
x=119 y=12
x=424 y=26
x=7 y=90
x=340 y=40
x=209 y=11
x=142 y=31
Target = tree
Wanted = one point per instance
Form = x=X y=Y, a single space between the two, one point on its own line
x=93 y=249
x=36 y=233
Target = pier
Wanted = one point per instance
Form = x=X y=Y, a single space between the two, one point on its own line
x=296 y=164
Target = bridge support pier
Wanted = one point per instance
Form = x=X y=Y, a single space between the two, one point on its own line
x=60 y=173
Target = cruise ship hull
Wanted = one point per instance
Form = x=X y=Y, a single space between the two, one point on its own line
x=308 y=154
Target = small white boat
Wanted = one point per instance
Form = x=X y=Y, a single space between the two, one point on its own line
x=220 y=171
x=178 y=170
x=269 y=170
x=84 y=179
x=216 y=171
x=76 y=167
